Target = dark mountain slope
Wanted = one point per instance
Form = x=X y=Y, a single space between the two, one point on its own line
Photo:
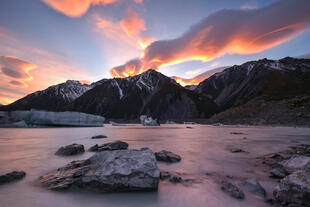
x=269 y=78
x=149 y=93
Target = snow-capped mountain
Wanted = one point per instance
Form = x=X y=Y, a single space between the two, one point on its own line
x=53 y=98
x=270 y=78
x=148 y=93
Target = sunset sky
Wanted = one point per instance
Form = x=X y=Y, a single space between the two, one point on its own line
x=46 y=42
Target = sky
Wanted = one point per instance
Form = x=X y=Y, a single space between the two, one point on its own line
x=46 y=42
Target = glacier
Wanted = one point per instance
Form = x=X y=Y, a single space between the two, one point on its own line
x=148 y=121
x=48 y=118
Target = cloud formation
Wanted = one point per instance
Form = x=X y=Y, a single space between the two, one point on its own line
x=77 y=8
x=199 y=78
x=15 y=67
x=132 y=24
x=227 y=32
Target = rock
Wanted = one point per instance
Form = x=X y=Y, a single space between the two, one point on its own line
x=99 y=137
x=175 y=179
x=296 y=162
x=165 y=175
x=235 y=150
x=253 y=186
x=232 y=190
x=167 y=156
x=108 y=171
x=117 y=145
x=117 y=124
x=277 y=173
x=9 y=177
x=237 y=133
x=188 y=127
x=71 y=149
x=94 y=148
x=294 y=189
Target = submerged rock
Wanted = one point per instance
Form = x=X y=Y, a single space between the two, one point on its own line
x=175 y=179
x=117 y=145
x=71 y=149
x=296 y=162
x=294 y=189
x=9 y=177
x=235 y=150
x=165 y=175
x=232 y=190
x=252 y=185
x=99 y=136
x=119 y=170
x=167 y=156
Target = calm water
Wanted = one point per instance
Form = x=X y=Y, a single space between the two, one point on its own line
x=203 y=149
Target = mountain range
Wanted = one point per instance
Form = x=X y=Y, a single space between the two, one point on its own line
x=155 y=94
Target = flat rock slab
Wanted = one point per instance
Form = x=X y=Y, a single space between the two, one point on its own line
x=99 y=136
x=12 y=176
x=71 y=149
x=117 y=145
x=108 y=171
x=167 y=156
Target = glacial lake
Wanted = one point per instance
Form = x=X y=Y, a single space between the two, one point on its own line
x=203 y=149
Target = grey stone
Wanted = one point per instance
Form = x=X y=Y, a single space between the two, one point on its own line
x=167 y=156
x=71 y=149
x=117 y=145
x=232 y=190
x=99 y=137
x=252 y=185
x=294 y=189
x=296 y=162
x=12 y=176
x=108 y=171
x=277 y=173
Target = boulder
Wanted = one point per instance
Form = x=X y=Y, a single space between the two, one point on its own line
x=175 y=179
x=296 y=162
x=108 y=171
x=99 y=137
x=117 y=145
x=232 y=190
x=254 y=187
x=294 y=189
x=9 y=177
x=277 y=173
x=71 y=149
x=167 y=156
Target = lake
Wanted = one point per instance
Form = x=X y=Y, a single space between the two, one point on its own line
x=203 y=149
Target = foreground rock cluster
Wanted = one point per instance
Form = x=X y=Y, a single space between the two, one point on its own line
x=292 y=166
x=118 y=170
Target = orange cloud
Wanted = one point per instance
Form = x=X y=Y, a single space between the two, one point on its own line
x=75 y=8
x=138 y=1
x=230 y=32
x=199 y=78
x=15 y=67
x=132 y=24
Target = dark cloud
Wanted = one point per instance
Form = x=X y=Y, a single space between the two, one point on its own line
x=16 y=83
